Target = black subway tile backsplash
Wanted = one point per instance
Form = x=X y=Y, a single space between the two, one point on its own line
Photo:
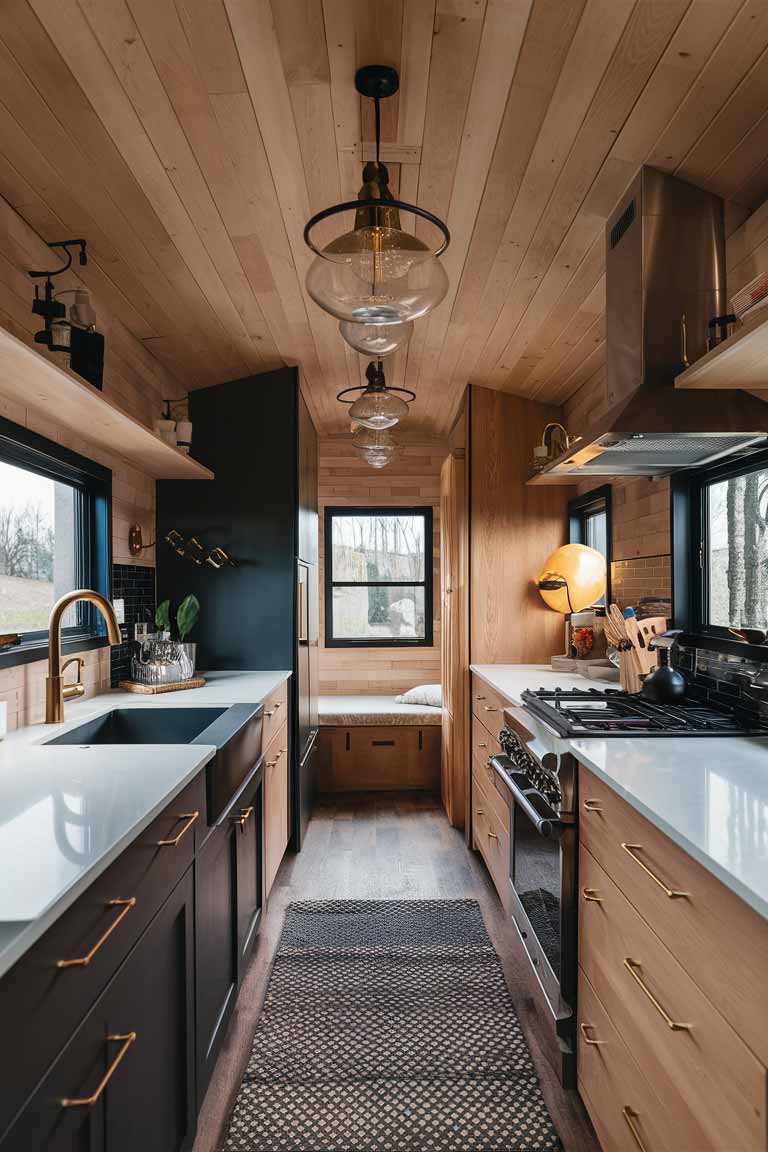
x=723 y=677
x=135 y=584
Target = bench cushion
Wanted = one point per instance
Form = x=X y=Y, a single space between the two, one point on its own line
x=354 y=711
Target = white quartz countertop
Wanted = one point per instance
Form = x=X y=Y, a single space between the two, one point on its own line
x=511 y=680
x=708 y=794
x=112 y=792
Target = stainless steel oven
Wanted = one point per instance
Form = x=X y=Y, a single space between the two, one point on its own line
x=540 y=788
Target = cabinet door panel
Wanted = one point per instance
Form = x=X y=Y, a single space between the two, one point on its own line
x=215 y=944
x=125 y=1081
x=250 y=869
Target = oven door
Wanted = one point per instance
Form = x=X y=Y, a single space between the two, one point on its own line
x=543 y=878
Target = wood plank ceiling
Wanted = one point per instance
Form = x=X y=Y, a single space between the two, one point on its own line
x=189 y=140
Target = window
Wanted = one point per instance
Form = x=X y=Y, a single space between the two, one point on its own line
x=54 y=537
x=378 y=577
x=589 y=522
x=729 y=519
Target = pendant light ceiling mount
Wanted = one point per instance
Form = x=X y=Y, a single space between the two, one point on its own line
x=377 y=273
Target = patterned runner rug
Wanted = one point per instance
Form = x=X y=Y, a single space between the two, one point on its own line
x=387 y=1026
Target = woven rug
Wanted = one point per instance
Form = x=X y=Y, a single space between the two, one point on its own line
x=387 y=1026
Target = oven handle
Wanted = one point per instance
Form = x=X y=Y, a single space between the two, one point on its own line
x=546 y=822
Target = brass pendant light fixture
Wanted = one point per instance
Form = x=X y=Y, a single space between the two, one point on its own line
x=378 y=274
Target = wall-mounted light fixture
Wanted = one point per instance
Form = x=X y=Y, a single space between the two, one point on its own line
x=136 y=543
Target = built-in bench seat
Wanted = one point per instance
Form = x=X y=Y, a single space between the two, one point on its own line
x=372 y=743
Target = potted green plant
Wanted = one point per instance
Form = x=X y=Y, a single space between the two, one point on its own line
x=168 y=647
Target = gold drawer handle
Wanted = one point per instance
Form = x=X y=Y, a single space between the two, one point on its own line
x=631 y=967
x=487 y=708
x=124 y=1038
x=479 y=812
x=244 y=817
x=482 y=744
x=269 y=712
x=591 y=894
x=630 y=1116
x=630 y=850
x=479 y=697
x=492 y=835
x=585 y=1029
x=592 y=806
x=279 y=704
x=190 y=818
x=82 y=961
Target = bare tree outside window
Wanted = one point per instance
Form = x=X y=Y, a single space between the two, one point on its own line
x=36 y=548
x=737 y=519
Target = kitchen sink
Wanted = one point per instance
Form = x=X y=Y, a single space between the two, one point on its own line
x=143 y=726
x=234 y=732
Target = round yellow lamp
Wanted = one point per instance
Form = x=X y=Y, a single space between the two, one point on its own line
x=574 y=577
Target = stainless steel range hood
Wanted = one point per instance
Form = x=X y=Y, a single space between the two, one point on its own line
x=665 y=260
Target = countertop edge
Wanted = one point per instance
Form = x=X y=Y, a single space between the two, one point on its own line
x=37 y=928
x=731 y=882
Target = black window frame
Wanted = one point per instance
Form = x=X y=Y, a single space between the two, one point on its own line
x=579 y=509
x=689 y=525
x=92 y=482
x=427 y=584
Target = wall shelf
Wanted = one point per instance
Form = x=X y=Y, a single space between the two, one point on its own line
x=41 y=386
x=741 y=361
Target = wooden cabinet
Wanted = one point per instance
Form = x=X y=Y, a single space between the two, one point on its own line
x=491 y=838
x=276 y=806
x=229 y=897
x=668 y=1009
x=380 y=758
x=125 y=1080
x=49 y=991
x=454 y=633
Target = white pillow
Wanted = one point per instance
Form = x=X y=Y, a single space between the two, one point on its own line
x=429 y=694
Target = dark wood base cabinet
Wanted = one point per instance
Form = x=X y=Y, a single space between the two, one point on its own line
x=229 y=901
x=116 y=1056
x=125 y=1081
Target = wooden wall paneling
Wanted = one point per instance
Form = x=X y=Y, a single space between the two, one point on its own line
x=513 y=528
x=413 y=479
x=455 y=635
x=497 y=55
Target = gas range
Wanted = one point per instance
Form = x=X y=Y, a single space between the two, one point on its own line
x=611 y=712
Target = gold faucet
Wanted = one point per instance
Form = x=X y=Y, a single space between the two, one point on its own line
x=55 y=691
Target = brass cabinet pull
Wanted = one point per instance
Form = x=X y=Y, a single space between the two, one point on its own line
x=630 y=850
x=244 y=817
x=82 y=961
x=591 y=894
x=479 y=812
x=487 y=708
x=585 y=1029
x=479 y=697
x=631 y=967
x=630 y=1116
x=269 y=712
x=592 y=806
x=124 y=1038
x=190 y=818
x=492 y=835
x=482 y=744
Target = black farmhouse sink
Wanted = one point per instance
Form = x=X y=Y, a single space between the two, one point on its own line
x=235 y=732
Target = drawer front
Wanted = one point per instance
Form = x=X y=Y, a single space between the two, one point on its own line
x=708 y=1080
x=48 y=992
x=275 y=806
x=484 y=742
x=275 y=709
x=488 y=706
x=485 y=779
x=492 y=839
x=624 y=1109
x=701 y=927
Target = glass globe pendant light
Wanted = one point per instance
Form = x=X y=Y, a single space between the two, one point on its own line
x=378 y=406
x=376 y=447
x=375 y=340
x=377 y=273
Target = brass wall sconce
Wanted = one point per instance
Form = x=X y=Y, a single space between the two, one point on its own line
x=136 y=543
x=193 y=550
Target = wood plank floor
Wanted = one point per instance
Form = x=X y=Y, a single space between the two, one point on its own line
x=384 y=846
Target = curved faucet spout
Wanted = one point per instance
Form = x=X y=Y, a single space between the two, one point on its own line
x=54 y=683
